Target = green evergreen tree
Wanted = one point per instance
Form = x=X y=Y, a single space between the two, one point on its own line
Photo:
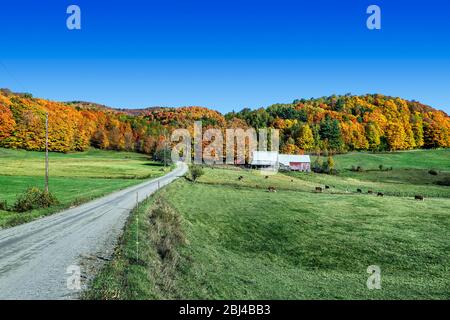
x=330 y=130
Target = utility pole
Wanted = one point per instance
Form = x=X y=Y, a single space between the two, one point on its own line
x=165 y=147
x=46 y=152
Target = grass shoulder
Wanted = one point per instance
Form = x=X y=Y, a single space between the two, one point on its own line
x=147 y=257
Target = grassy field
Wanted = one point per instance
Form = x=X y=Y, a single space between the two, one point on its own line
x=74 y=178
x=398 y=182
x=239 y=241
x=417 y=159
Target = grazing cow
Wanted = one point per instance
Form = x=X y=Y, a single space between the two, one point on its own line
x=359 y=190
x=271 y=189
x=266 y=177
x=240 y=178
x=319 y=189
x=419 y=197
x=327 y=187
x=369 y=191
x=380 y=194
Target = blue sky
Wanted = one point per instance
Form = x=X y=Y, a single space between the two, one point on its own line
x=225 y=54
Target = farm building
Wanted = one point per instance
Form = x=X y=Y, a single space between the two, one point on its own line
x=265 y=159
x=292 y=162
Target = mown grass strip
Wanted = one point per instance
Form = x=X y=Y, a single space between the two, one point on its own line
x=146 y=260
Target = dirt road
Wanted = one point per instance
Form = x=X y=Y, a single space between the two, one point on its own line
x=36 y=258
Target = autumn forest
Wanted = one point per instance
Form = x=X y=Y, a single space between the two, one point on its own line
x=336 y=123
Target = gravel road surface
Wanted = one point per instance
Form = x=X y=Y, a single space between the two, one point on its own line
x=36 y=258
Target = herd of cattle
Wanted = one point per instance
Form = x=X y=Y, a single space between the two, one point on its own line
x=320 y=189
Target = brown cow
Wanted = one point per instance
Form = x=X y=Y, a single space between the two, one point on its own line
x=419 y=197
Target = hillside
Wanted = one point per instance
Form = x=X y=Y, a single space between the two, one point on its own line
x=74 y=178
x=335 y=123
x=226 y=237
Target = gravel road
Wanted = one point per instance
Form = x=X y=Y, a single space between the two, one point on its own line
x=35 y=257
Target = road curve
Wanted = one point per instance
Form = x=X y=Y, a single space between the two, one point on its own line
x=34 y=257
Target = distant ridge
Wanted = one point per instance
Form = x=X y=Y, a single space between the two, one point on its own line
x=336 y=123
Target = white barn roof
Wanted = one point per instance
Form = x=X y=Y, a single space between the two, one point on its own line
x=269 y=158
x=285 y=159
x=264 y=158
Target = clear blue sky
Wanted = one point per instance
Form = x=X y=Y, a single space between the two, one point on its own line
x=225 y=54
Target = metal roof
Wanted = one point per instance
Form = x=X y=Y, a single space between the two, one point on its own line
x=272 y=157
x=264 y=157
x=287 y=158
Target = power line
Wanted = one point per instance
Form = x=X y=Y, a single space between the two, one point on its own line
x=19 y=83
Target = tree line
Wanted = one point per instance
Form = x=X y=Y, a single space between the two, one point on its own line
x=346 y=123
x=335 y=123
x=72 y=126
